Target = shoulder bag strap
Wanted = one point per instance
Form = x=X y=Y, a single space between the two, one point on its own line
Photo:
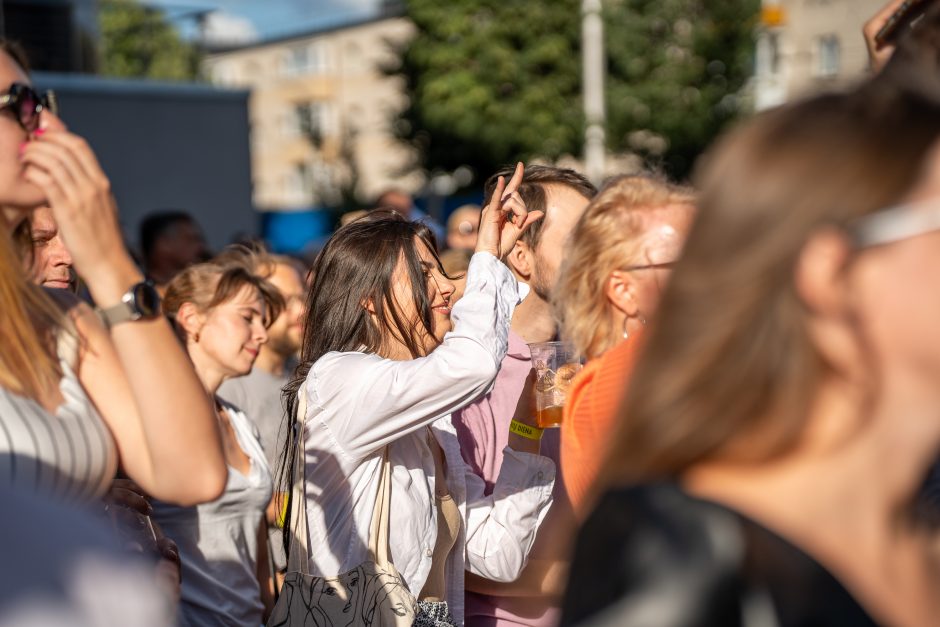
x=298 y=560
x=378 y=529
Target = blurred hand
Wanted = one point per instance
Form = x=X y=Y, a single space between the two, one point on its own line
x=525 y=407
x=126 y=493
x=505 y=218
x=169 y=567
x=879 y=55
x=65 y=168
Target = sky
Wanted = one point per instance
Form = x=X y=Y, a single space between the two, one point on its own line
x=246 y=19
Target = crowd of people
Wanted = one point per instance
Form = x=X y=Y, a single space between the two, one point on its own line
x=242 y=438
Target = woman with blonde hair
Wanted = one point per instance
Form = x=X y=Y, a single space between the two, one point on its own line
x=616 y=264
x=76 y=397
x=784 y=415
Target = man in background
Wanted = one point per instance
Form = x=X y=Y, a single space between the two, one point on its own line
x=170 y=241
x=402 y=203
x=51 y=263
x=483 y=426
x=463 y=227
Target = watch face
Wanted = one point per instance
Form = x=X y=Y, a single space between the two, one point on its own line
x=147 y=299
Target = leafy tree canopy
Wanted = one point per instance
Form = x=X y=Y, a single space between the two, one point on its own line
x=492 y=81
x=676 y=70
x=138 y=42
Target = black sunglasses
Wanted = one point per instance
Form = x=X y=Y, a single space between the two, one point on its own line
x=27 y=104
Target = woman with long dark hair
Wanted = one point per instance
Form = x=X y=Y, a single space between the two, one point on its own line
x=384 y=363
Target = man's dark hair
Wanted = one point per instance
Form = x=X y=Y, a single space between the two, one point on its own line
x=157 y=224
x=533 y=191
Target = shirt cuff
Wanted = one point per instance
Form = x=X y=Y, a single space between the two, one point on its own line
x=523 y=471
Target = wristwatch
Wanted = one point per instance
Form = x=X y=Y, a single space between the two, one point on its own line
x=140 y=302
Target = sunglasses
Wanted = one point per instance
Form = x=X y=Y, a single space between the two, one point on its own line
x=895 y=224
x=26 y=105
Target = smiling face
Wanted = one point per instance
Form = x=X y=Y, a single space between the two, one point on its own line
x=439 y=292
x=232 y=334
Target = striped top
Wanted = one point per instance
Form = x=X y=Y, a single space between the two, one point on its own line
x=70 y=454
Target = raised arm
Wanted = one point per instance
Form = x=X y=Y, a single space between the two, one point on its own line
x=137 y=375
x=878 y=55
x=383 y=399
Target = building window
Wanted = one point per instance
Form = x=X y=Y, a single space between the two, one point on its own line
x=298 y=188
x=289 y=126
x=828 y=56
x=224 y=73
x=251 y=70
x=768 y=54
x=306 y=59
x=315 y=120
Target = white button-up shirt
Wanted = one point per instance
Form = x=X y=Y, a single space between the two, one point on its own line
x=358 y=403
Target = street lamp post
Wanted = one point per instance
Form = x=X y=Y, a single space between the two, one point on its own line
x=592 y=56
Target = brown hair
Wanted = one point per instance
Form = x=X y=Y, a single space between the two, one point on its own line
x=534 y=191
x=16 y=52
x=729 y=353
x=608 y=236
x=208 y=285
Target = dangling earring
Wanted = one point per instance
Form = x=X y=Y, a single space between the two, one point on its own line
x=627 y=319
x=196 y=337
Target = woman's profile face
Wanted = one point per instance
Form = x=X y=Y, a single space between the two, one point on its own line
x=15 y=193
x=440 y=289
x=233 y=333
x=895 y=295
x=662 y=247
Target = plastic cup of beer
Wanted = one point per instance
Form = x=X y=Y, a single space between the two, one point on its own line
x=556 y=364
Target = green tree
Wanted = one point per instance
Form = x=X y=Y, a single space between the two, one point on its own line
x=492 y=81
x=676 y=70
x=137 y=41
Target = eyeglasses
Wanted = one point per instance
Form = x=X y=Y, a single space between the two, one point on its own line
x=895 y=223
x=27 y=104
x=651 y=266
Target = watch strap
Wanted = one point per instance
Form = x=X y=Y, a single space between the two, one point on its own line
x=116 y=314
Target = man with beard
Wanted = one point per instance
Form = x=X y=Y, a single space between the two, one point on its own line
x=483 y=427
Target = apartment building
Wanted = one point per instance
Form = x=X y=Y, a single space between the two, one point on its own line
x=321 y=112
x=805 y=46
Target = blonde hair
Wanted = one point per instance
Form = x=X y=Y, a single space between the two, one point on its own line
x=29 y=321
x=608 y=236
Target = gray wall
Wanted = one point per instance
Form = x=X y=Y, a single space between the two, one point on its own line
x=165 y=145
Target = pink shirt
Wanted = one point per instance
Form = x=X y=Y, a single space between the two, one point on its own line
x=483 y=431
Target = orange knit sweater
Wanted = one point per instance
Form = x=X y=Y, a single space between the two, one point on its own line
x=590 y=413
